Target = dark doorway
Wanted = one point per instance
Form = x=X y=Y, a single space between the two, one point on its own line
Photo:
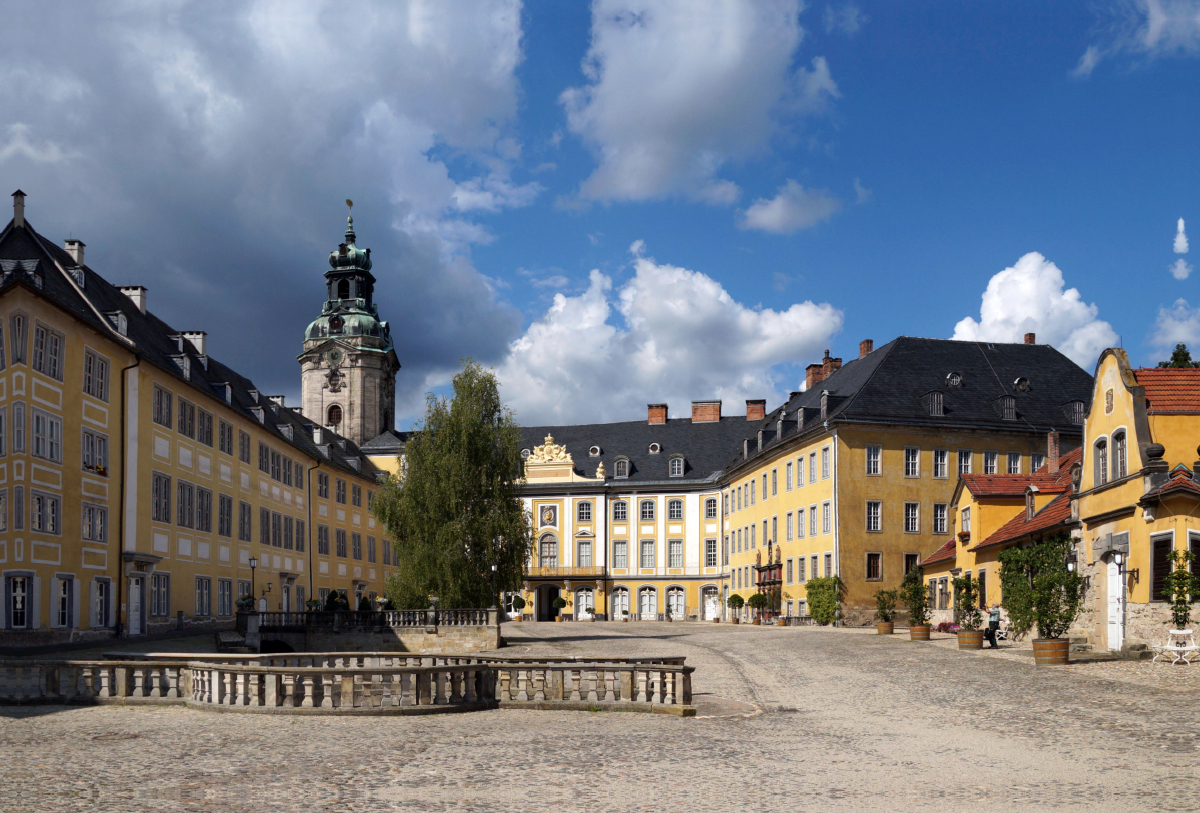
x=545 y=602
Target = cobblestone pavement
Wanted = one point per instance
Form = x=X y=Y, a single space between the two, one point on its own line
x=830 y=719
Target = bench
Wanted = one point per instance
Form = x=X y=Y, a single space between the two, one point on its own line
x=1177 y=652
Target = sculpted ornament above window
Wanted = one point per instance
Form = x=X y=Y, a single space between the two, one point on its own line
x=549 y=452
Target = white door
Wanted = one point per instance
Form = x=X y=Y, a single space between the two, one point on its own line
x=620 y=604
x=583 y=604
x=648 y=605
x=287 y=598
x=712 y=607
x=135 y=606
x=1116 y=606
x=675 y=604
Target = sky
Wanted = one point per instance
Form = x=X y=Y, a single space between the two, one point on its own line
x=628 y=201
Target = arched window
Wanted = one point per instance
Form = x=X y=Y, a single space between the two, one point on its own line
x=621 y=468
x=343 y=288
x=584 y=511
x=676 y=466
x=1119 y=458
x=620 y=511
x=675 y=509
x=646 y=512
x=1101 y=461
x=548 y=551
x=334 y=416
x=710 y=508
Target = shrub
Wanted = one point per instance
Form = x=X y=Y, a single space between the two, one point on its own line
x=559 y=603
x=1181 y=588
x=913 y=595
x=364 y=604
x=885 y=605
x=824 y=598
x=966 y=602
x=736 y=602
x=758 y=601
x=947 y=626
x=1039 y=591
x=518 y=603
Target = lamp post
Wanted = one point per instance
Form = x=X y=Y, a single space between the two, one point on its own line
x=253 y=564
x=494 y=596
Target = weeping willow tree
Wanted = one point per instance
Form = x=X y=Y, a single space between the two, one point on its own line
x=455 y=511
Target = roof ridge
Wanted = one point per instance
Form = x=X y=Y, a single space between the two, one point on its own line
x=887 y=351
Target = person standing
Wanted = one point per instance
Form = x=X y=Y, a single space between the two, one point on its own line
x=993 y=625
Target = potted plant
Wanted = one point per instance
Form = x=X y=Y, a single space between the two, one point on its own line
x=558 y=605
x=1180 y=589
x=824 y=596
x=518 y=604
x=735 y=603
x=885 y=611
x=966 y=608
x=625 y=616
x=245 y=604
x=758 y=602
x=913 y=595
x=1041 y=592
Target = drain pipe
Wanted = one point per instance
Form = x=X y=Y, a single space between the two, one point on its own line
x=121 y=494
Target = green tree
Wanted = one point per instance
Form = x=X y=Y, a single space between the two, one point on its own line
x=1180 y=358
x=1040 y=591
x=885 y=605
x=966 y=602
x=1181 y=588
x=824 y=598
x=914 y=596
x=455 y=512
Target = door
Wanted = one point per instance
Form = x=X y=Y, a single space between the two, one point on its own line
x=648 y=605
x=675 y=605
x=584 y=608
x=19 y=615
x=545 y=603
x=135 y=607
x=287 y=598
x=620 y=604
x=1116 y=606
x=712 y=605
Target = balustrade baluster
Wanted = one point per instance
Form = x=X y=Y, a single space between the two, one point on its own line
x=306 y=691
x=539 y=683
x=289 y=689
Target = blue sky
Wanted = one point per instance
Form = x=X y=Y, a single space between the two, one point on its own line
x=626 y=201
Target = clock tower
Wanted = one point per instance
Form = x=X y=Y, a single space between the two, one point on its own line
x=348 y=367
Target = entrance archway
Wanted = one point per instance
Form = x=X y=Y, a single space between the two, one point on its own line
x=545 y=602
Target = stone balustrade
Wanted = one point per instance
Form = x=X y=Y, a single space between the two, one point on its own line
x=89 y=682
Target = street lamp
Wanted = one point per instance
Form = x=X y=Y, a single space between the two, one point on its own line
x=253 y=564
x=494 y=599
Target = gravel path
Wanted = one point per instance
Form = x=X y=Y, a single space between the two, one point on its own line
x=790 y=717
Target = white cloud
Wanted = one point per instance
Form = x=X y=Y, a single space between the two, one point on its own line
x=793 y=208
x=553 y=281
x=1180 y=269
x=1177 y=324
x=679 y=88
x=667 y=334
x=1181 y=241
x=1031 y=297
x=848 y=19
x=1149 y=29
x=19 y=145
x=861 y=193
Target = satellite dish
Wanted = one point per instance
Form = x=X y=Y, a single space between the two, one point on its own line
x=350 y=203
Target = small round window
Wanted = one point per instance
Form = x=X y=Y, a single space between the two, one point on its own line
x=954 y=379
x=525 y=454
x=1021 y=385
x=655 y=448
x=594 y=451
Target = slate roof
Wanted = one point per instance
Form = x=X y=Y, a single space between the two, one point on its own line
x=388 y=443
x=891 y=384
x=705 y=446
x=155 y=342
x=947 y=551
x=1170 y=389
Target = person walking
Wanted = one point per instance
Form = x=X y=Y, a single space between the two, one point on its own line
x=993 y=625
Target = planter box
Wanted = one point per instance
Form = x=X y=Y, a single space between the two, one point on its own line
x=919 y=633
x=1051 y=651
x=885 y=627
x=970 y=639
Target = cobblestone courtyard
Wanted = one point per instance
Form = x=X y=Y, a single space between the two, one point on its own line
x=788 y=718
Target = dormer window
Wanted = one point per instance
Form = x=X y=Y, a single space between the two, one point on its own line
x=119 y=322
x=1029 y=504
x=594 y=451
x=1021 y=385
x=525 y=454
x=621 y=468
x=655 y=448
x=937 y=404
x=954 y=380
x=184 y=364
x=1006 y=406
x=676 y=467
x=1074 y=412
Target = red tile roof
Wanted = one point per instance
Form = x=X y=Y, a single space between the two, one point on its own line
x=1014 y=485
x=1170 y=389
x=1055 y=513
x=947 y=551
x=1180 y=480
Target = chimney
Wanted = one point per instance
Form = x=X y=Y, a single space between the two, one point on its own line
x=75 y=249
x=198 y=338
x=18 y=209
x=1052 y=452
x=277 y=400
x=1030 y=338
x=756 y=409
x=829 y=365
x=137 y=293
x=813 y=375
x=657 y=413
x=706 y=411
x=865 y=346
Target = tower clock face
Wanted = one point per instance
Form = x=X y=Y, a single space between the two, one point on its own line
x=335 y=357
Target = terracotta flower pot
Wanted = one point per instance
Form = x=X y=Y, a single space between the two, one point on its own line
x=736 y=620
x=919 y=632
x=1051 y=651
x=885 y=627
x=716 y=621
x=970 y=639
x=758 y=622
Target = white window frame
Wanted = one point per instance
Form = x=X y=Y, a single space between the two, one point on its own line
x=825 y=462
x=912 y=517
x=941 y=518
x=966 y=456
x=941 y=464
x=991 y=462
x=874 y=516
x=1010 y=457
x=874 y=460
x=826 y=517
x=912 y=462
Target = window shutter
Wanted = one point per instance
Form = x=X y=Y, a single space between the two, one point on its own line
x=1161 y=567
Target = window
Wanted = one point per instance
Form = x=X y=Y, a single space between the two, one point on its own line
x=95 y=375
x=675 y=553
x=386 y=547
x=1161 y=564
x=932 y=597
x=203 y=510
x=163 y=414
x=774 y=529
x=1118 y=456
x=674 y=509
x=334 y=416
x=3 y=431
x=646 y=509
x=874 y=567
x=95 y=453
x=800 y=560
x=288 y=543
x=912 y=461
x=583 y=512
x=264 y=458
x=94 y=526
x=160 y=595
x=990 y=461
x=912 y=517
x=45 y=513
x=548 y=551
x=322 y=540
x=936 y=404
x=1075 y=412
x=620 y=554
x=18 y=338
x=243 y=446
x=63 y=595
x=323 y=485
x=812 y=520
x=874 y=460
x=356 y=546
x=828 y=565
x=753 y=539
x=1008 y=408
x=340 y=495
x=753 y=492
x=813 y=573
x=277 y=466
x=737 y=504
x=286 y=471
x=16 y=604
x=790 y=570
x=225 y=437
x=3 y=511
x=584 y=556
x=224 y=597
x=676 y=466
x=874 y=515
x=812 y=467
x=647 y=554
x=943 y=594
x=300 y=482
x=964 y=461
x=161 y=498
x=300 y=538
x=764 y=486
x=18 y=507
x=356 y=495
x=203 y=596
x=204 y=427
x=941 y=512
x=790 y=526
x=982 y=589
x=1100 y=459
x=185 y=498
x=47 y=352
x=341 y=543
x=911 y=560
x=710 y=508
x=825 y=463
x=276 y=529
x=187 y=419
x=620 y=511
x=621 y=469
x=965 y=515
x=244 y=521
x=710 y=553
x=787 y=477
x=826 y=517
x=1036 y=461
x=47 y=436
x=1014 y=462
x=941 y=464
x=774 y=482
